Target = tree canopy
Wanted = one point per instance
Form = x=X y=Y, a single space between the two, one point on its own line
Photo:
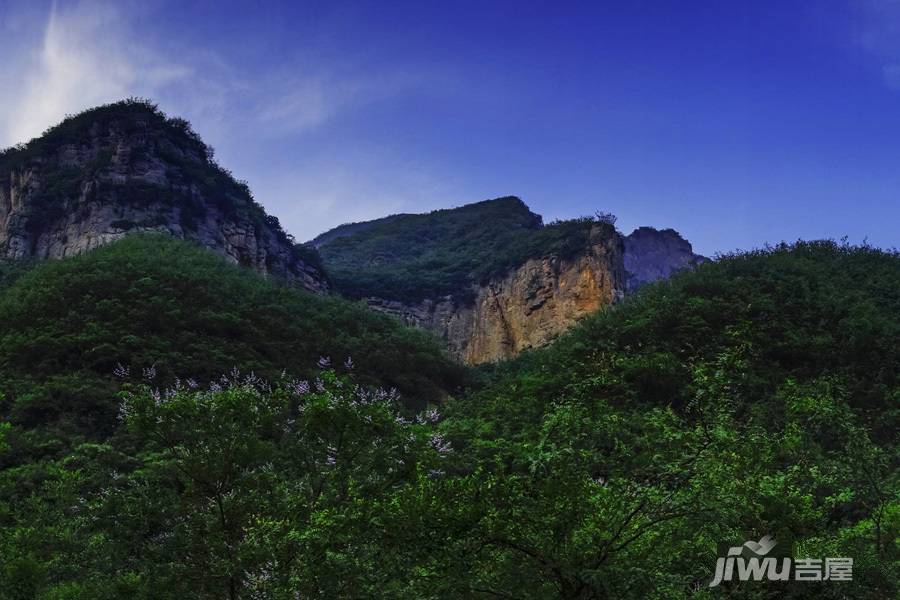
x=445 y=252
x=756 y=395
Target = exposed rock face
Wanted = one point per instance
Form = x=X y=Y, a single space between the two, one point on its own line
x=652 y=254
x=527 y=307
x=489 y=278
x=129 y=174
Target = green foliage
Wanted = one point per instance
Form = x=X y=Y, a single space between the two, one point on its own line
x=152 y=301
x=411 y=257
x=242 y=490
x=310 y=256
x=12 y=270
x=757 y=395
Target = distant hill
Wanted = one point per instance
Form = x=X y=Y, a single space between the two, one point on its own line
x=490 y=278
x=348 y=229
x=653 y=254
x=412 y=257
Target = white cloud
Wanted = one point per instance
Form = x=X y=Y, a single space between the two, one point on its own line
x=93 y=52
x=83 y=59
x=62 y=59
x=298 y=104
x=360 y=187
x=303 y=105
x=879 y=33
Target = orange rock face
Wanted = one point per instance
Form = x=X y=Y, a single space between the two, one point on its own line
x=542 y=298
x=527 y=307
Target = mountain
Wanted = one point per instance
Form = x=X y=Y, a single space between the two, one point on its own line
x=175 y=426
x=348 y=229
x=653 y=254
x=421 y=256
x=124 y=168
x=490 y=279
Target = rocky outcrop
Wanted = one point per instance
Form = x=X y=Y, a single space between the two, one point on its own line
x=654 y=254
x=525 y=308
x=108 y=175
x=490 y=278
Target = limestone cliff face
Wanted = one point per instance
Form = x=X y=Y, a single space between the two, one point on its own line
x=490 y=278
x=135 y=172
x=654 y=254
x=525 y=308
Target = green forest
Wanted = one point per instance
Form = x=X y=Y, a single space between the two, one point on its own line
x=178 y=427
x=445 y=252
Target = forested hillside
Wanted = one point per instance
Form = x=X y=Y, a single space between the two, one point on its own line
x=412 y=257
x=489 y=279
x=150 y=302
x=757 y=395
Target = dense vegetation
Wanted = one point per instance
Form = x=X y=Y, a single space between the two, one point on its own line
x=133 y=115
x=411 y=257
x=154 y=136
x=348 y=229
x=757 y=395
x=150 y=301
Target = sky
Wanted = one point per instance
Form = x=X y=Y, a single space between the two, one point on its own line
x=736 y=123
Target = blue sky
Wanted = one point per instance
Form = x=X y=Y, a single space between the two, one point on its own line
x=736 y=123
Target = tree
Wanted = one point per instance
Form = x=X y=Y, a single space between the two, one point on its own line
x=276 y=488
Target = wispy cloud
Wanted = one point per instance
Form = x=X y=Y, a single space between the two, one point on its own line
x=879 y=33
x=83 y=59
x=67 y=57
x=359 y=187
x=297 y=104
x=92 y=52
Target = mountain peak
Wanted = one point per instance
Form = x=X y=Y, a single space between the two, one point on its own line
x=128 y=116
x=652 y=254
x=127 y=167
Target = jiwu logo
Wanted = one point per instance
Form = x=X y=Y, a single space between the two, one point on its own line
x=751 y=564
x=753 y=568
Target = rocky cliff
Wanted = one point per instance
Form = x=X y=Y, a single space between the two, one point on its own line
x=527 y=307
x=487 y=278
x=491 y=279
x=654 y=254
x=126 y=168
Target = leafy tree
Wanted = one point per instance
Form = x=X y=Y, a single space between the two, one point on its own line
x=756 y=395
x=241 y=490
